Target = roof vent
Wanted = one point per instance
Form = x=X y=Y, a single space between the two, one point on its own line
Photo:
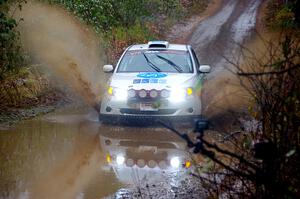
x=158 y=44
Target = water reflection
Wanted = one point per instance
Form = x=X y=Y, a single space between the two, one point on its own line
x=151 y=160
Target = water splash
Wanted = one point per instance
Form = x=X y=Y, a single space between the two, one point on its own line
x=56 y=39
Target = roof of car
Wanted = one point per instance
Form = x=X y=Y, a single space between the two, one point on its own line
x=170 y=47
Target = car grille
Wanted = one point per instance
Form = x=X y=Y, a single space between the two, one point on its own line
x=139 y=112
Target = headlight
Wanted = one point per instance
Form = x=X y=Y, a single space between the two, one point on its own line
x=120 y=159
x=180 y=94
x=175 y=162
x=177 y=95
x=118 y=93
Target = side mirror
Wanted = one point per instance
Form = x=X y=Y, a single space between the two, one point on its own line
x=108 y=68
x=204 y=68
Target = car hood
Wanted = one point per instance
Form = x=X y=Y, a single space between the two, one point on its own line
x=151 y=80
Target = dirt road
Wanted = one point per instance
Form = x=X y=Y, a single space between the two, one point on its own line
x=69 y=154
x=216 y=39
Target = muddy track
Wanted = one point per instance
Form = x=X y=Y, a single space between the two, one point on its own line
x=217 y=35
x=216 y=39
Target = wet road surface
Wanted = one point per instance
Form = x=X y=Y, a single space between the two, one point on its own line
x=69 y=154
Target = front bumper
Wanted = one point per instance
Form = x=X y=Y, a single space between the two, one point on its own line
x=185 y=111
x=164 y=107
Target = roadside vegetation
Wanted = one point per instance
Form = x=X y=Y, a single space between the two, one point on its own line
x=123 y=23
x=262 y=159
x=20 y=82
x=283 y=14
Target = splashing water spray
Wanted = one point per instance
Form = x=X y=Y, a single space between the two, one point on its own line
x=56 y=39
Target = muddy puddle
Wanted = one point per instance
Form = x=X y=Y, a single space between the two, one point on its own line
x=69 y=154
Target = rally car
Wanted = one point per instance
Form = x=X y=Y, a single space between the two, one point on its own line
x=154 y=80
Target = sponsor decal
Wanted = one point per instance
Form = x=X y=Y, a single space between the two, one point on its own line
x=136 y=81
x=153 y=81
x=149 y=81
x=145 y=81
x=162 y=81
x=152 y=75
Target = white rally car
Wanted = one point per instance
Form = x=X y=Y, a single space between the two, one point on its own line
x=154 y=80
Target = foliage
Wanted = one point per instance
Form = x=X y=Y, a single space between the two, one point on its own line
x=194 y=6
x=283 y=14
x=17 y=82
x=123 y=23
x=106 y=14
x=11 y=59
x=270 y=167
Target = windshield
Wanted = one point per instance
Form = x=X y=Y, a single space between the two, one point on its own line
x=171 y=61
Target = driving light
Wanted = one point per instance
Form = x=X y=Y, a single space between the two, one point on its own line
x=164 y=93
x=120 y=159
x=153 y=93
x=142 y=93
x=174 y=162
x=141 y=163
x=131 y=93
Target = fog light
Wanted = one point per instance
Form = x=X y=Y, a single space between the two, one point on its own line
x=190 y=110
x=108 y=109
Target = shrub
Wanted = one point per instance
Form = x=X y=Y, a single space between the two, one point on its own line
x=283 y=14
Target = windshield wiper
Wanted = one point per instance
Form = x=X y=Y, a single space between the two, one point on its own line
x=151 y=64
x=178 y=68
